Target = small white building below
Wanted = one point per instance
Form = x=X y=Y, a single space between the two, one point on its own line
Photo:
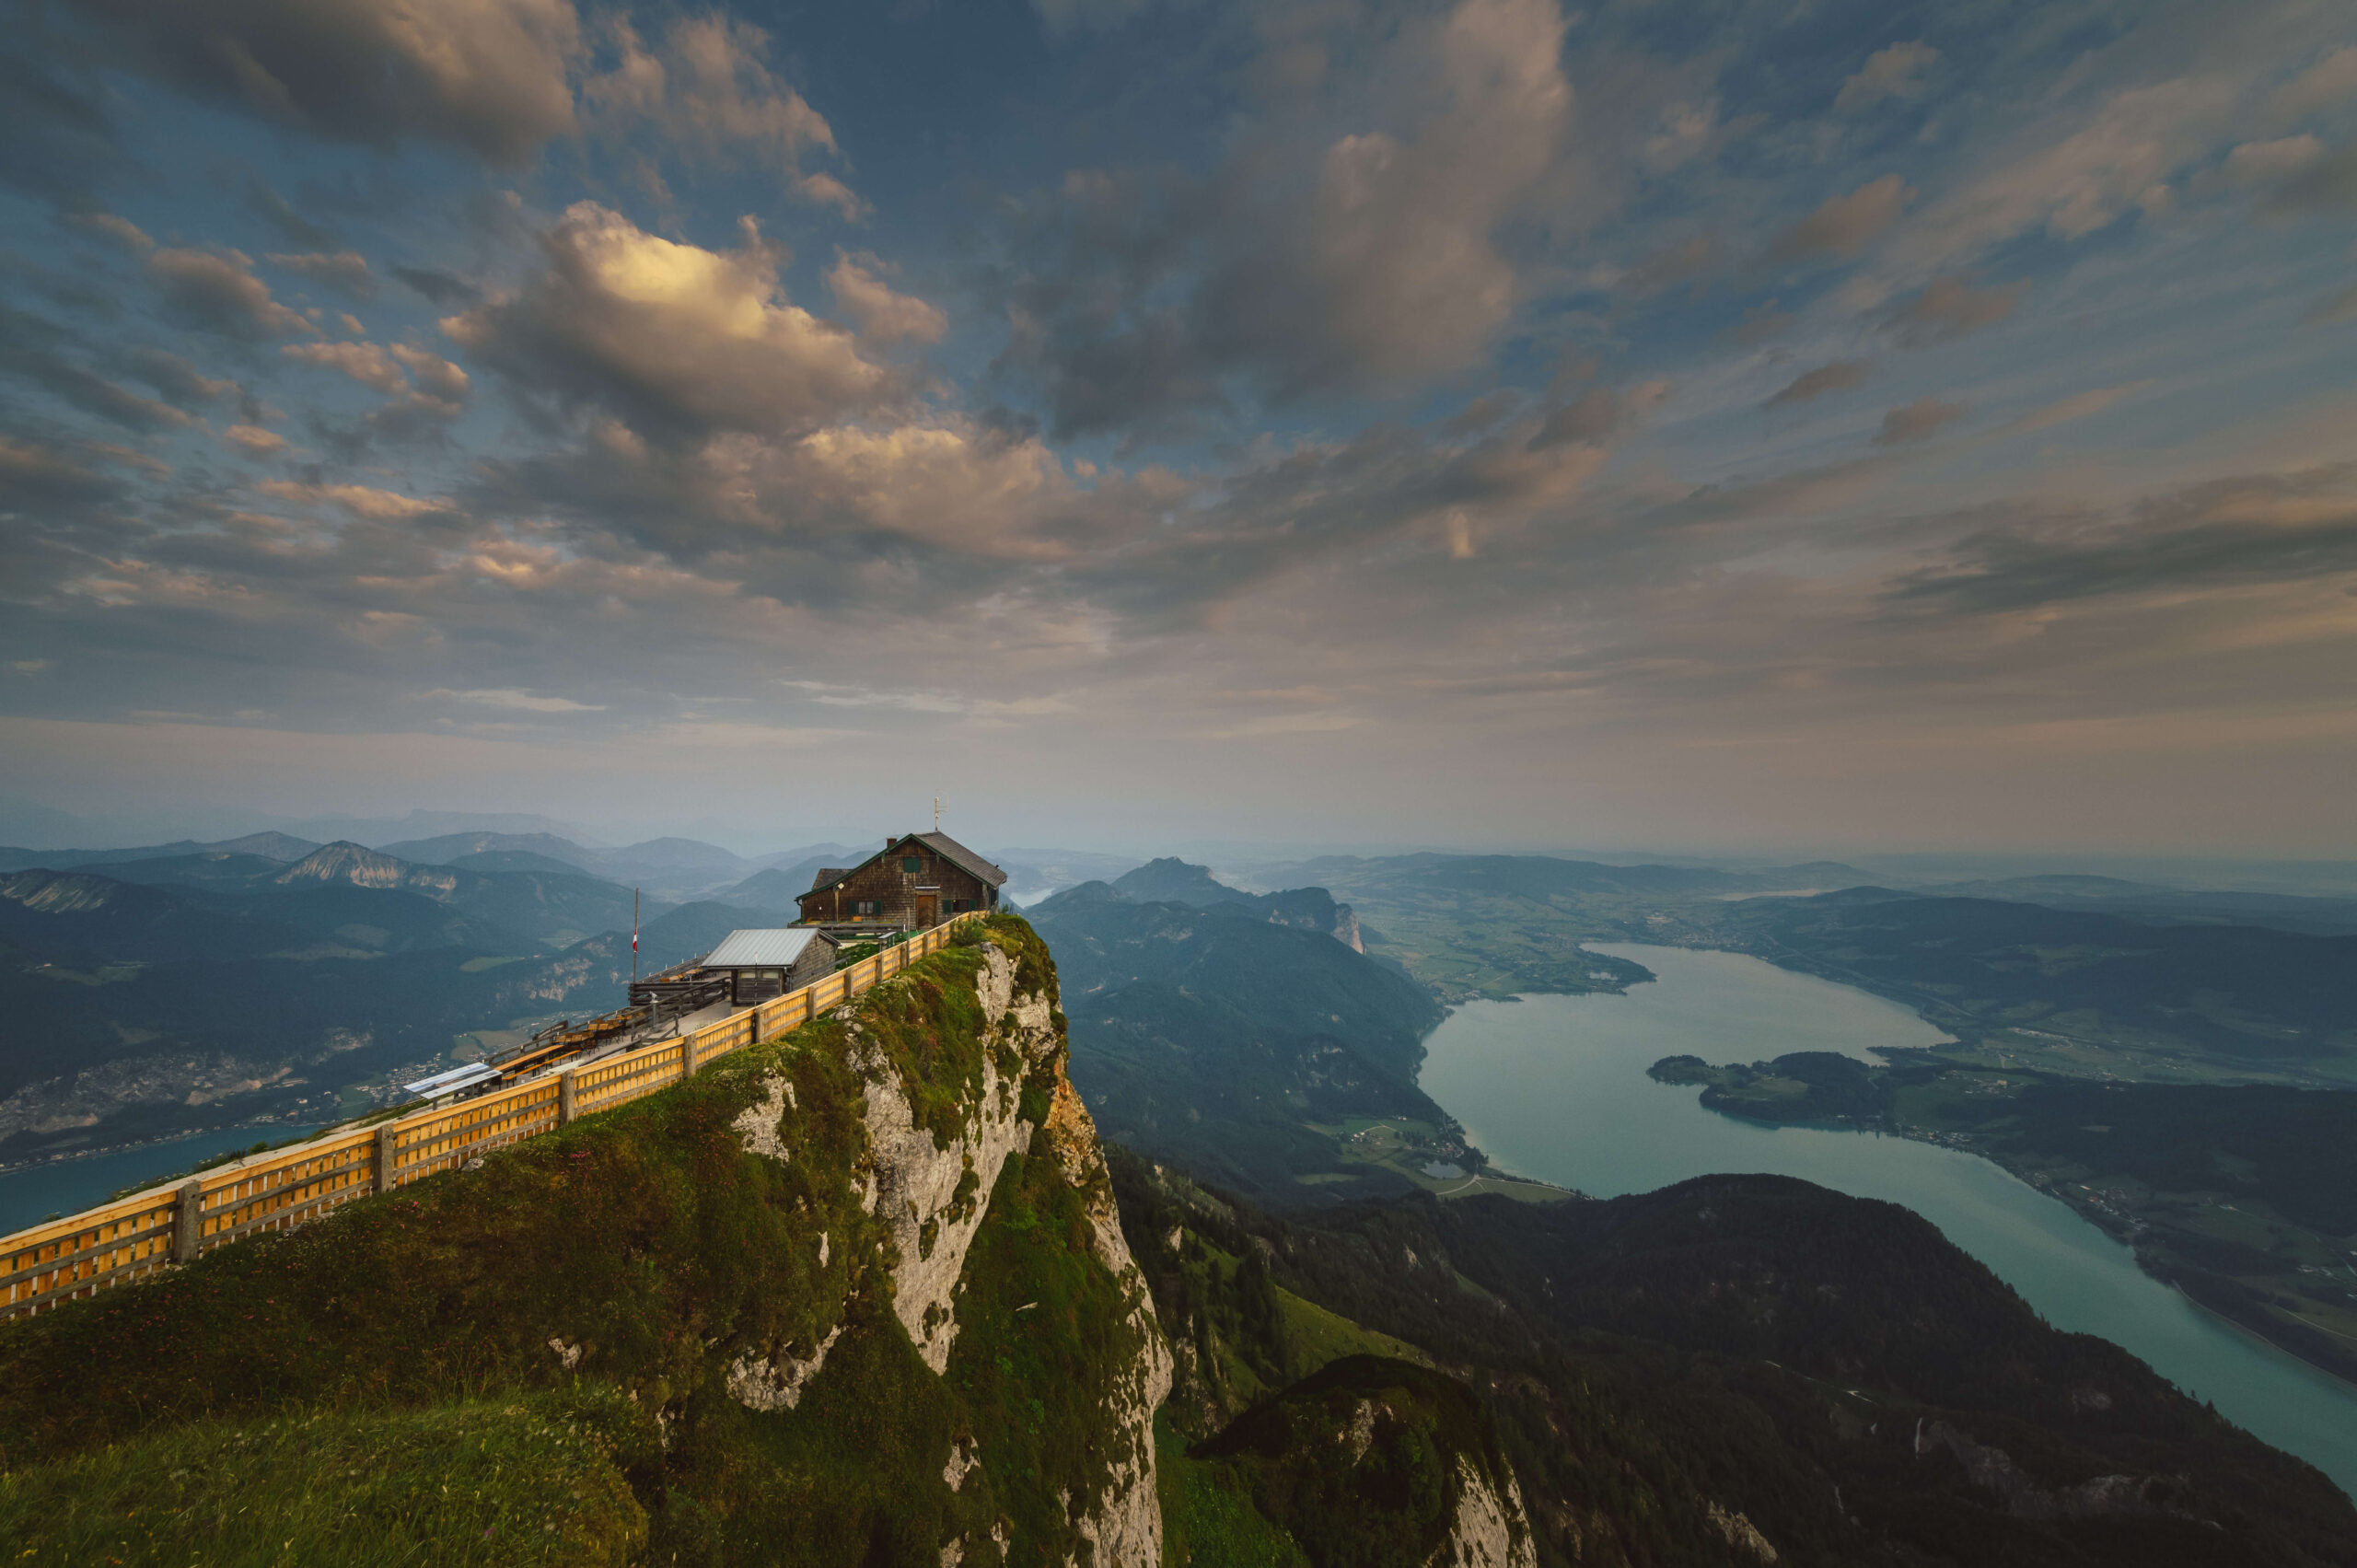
x=763 y=964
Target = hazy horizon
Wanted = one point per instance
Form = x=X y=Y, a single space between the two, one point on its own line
x=1238 y=858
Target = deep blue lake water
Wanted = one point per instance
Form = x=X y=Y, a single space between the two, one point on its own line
x=1555 y=1088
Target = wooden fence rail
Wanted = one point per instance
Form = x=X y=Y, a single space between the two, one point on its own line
x=118 y=1242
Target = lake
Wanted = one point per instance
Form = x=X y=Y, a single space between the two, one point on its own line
x=62 y=1186
x=1555 y=1088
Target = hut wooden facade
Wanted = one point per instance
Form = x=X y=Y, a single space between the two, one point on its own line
x=917 y=880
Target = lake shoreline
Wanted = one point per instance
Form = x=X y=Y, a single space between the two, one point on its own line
x=1936 y=1101
x=1557 y=1087
x=2029 y=1175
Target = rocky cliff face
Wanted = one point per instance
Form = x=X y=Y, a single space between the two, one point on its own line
x=927 y=1179
x=859 y=1294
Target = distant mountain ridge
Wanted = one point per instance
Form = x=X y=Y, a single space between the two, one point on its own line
x=780 y=888
x=2154 y=905
x=673 y=869
x=416 y=825
x=1539 y=876
x=270 y=846
x=1216 y=1033
x=1172 y=880
x=448 y=847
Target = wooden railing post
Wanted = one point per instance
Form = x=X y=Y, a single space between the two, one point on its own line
x=188 y=1222
x=568 y=1096
x=385 y=1136
x=687 y=1056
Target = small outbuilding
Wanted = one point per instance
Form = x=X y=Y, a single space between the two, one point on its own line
x=917 y=880
x=763 y=964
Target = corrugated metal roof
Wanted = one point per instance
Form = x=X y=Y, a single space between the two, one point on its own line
x=776 y=949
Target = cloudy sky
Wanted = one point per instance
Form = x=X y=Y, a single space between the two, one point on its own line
x=1786 y=425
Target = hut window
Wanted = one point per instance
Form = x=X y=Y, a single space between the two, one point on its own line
x=913 y=865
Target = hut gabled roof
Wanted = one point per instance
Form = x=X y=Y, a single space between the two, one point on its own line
x=950 y=849
x=942 y=844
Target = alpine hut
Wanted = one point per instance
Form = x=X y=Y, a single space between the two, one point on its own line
x=916 y=880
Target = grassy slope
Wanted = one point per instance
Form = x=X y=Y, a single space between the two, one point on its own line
x=1208 y=1516
x=525 y=1479
x=649 y=1240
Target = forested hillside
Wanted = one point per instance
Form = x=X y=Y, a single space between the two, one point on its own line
x=1248 y=1048
x=1733 y=1370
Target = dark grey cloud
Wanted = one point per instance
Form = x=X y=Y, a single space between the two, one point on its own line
x=1759 y=324
x=296 y=230
x=2223 y=534
x=1356 y=258
x=1918 y=420
x=1388 y=485
x=96 y=395
x=703 y=87
x=1845 y=225
x=346 y=271
x=40 y=352
x=1593 y=416
x=1949 y=308
x=1892 y=73
x=438 y=287
x=2336 y=309
x=217 y=290
x=1147 y=375
x=1695 y=257
x=1840 y=375
x=56 y=141
x=489 y=75
x=2329 y=184
x=34 y=477
x=178 y=380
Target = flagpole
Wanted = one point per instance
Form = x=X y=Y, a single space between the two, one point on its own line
x=634 y=936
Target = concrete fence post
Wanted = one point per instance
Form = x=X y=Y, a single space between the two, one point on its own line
x=568 y=1096
x=385 y=1136
x=188 y=1222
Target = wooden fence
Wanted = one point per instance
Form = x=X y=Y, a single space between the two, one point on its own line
x=116 y=1243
